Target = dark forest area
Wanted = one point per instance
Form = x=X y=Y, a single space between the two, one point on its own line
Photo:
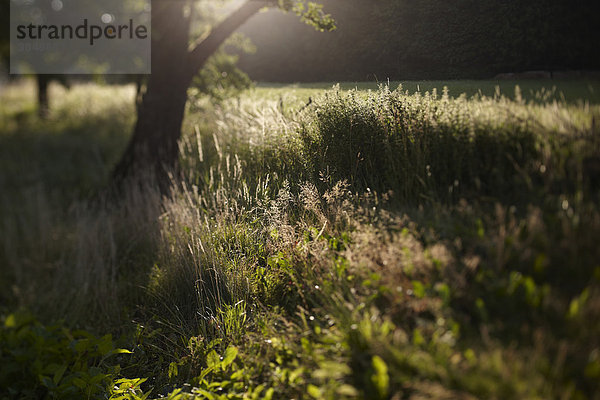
x=432 y=39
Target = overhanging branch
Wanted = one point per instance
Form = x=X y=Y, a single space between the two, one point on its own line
x=198 y=56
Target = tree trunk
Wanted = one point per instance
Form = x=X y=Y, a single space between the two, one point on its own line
x=153 y=148
x=42 y=95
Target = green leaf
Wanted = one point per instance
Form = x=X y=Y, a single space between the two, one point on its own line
x=295 y=374
x=98 y=378
x=204 y=393
x=144 y=397
x=80 y=383
x=380 y=378
x=331 y=369
x=175 y=395
x=120 y=351
x=230 y=355
x=347 y=390
x=314 y=391
x=59 y=374
x=578 y=303
x=105 y=345
x=205 y=372
x=257 y=391
x=173 y=370
x=269 y=394
x=122 y=380
x=418 y=289
x=213 y=360
x=82 y=345
x=418 y=338
x=11 y=321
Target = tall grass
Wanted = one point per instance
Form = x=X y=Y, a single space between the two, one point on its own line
x=500 y=199
x=421 y=146
x=366 y=245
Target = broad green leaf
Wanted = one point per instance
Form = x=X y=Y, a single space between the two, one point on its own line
x=213 y=360
x=230 y=355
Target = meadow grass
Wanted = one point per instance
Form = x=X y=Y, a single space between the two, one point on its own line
x=535 y=90
x=371 y=244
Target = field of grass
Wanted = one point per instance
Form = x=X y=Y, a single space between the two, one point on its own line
x=534 y=90
x=366 y=244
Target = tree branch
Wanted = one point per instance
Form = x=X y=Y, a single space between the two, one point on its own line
x=198 y=56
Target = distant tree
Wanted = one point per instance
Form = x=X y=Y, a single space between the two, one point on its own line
x=4 y=32
x=42 y=84
x=42 y=81
x=153 y=145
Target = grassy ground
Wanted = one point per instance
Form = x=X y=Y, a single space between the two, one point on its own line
x=370 y=245
x=540 y=90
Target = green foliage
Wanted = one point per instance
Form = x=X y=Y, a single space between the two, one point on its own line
x=284 y=266
x=310 y=12
x=54 y=362
x=420 y=147
x=220 y=78
x=128 y=389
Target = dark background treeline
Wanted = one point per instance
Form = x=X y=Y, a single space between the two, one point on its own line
x=426 y=39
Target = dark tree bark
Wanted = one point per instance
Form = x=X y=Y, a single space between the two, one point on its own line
x=153 y=147
x=42 y=95
x=140 y=81
x=42 y=83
